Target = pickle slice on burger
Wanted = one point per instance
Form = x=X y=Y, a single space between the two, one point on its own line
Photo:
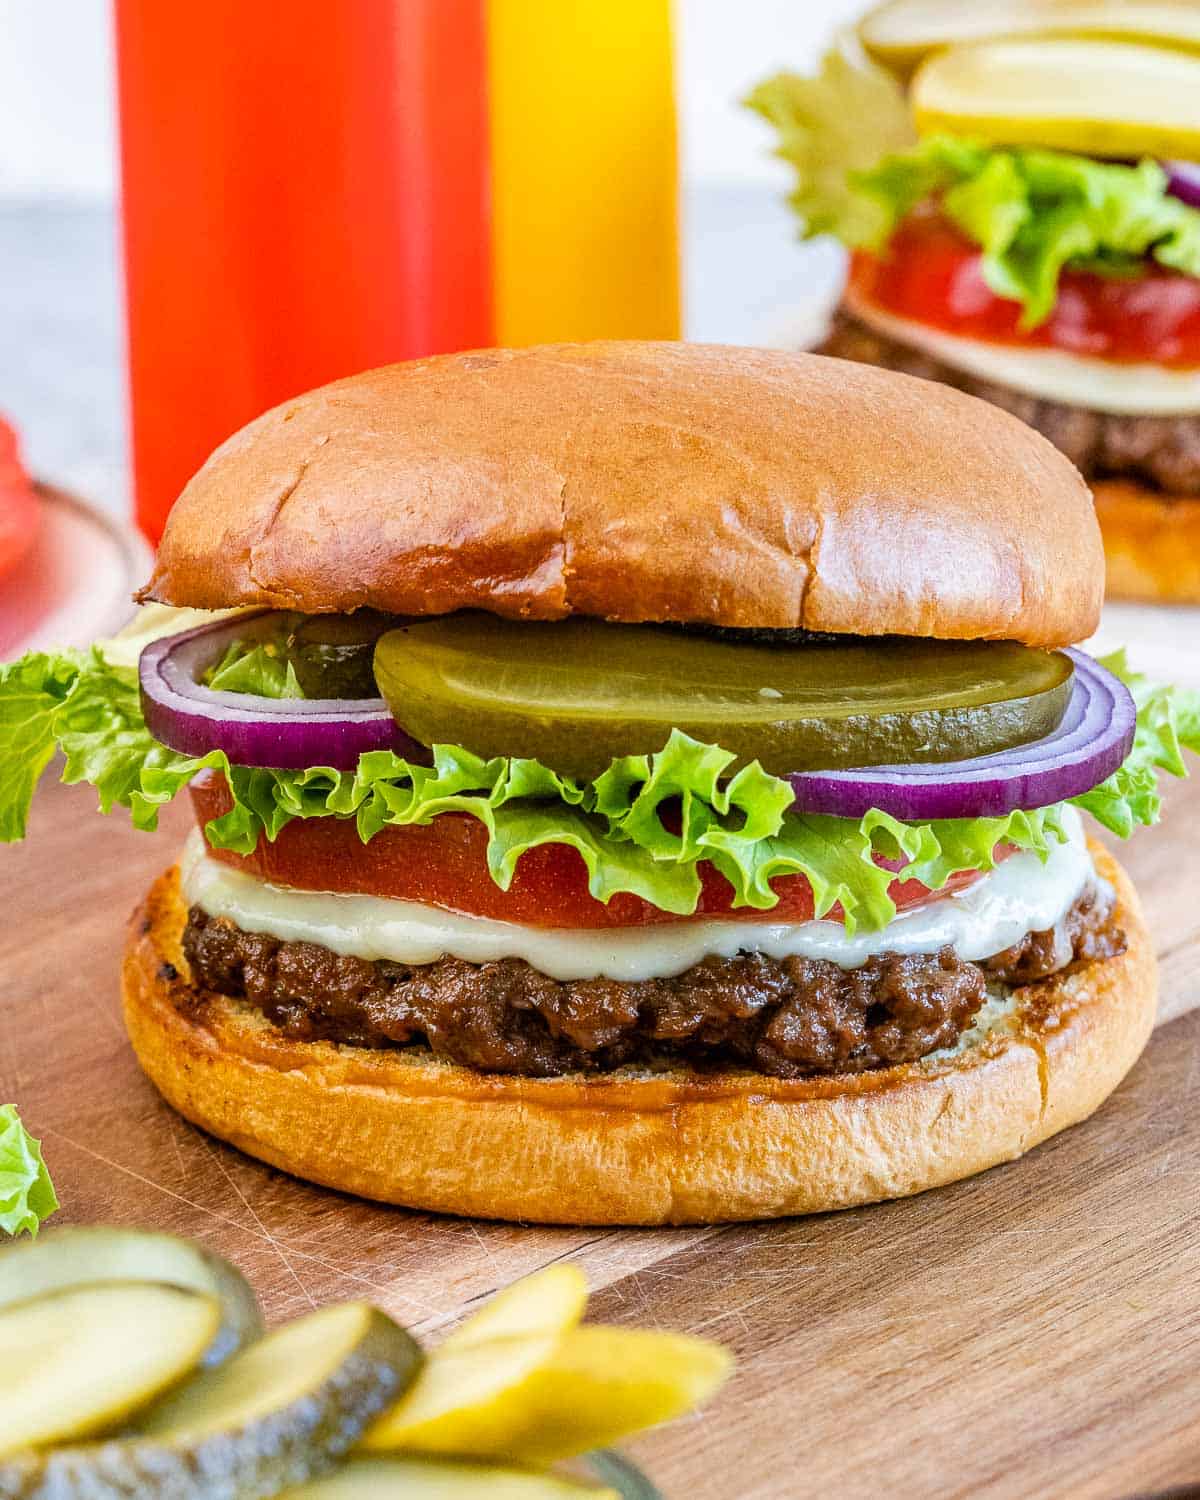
x=634 y=783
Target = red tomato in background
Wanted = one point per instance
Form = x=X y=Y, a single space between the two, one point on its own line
x=931 y=273
x=19 y=508
x=444 y=864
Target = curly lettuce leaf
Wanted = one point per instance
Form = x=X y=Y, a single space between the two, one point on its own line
x=259 y=668
x=31 y=692
x=1035 y=212
x=846 y=118
x=644 y=827
x=26 y=1193
x=1168 y=722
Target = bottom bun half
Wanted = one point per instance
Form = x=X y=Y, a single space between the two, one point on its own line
x=634 y=1147
x=1151 y=543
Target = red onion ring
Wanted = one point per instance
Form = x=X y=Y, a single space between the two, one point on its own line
x=1094 y=737
x=288 y=734
x=1183 y=181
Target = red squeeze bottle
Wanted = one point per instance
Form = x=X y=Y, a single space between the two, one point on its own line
x=305 y=195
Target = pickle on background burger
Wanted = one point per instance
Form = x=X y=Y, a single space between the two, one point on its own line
x=639 y=783
x=1019 y=183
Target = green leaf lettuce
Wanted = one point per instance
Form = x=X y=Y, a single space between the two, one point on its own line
x=1035 y=212
x=846 y=118
x=261 y=669
x=26 y=1192
x=1168 y=722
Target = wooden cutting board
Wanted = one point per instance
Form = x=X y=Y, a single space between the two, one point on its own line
x=1033 y=1332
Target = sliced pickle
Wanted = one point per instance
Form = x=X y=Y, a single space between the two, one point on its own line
x=77 y=1255
x=576 y=694
x=536 y=1400
x=78 y=1361
x=550 y=1301
x=604 y=1384
x=279 y=1413
x=332 y=654
x=466 y=1401
x=461 y=1402
x=901 y=32
x=440 y=1479
x=1103 y=98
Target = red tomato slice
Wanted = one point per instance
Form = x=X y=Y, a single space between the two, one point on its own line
x=444 y=863
x=19 y=508
x=932 y=274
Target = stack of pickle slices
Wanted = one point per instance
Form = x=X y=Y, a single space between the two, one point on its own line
x=136 y=1364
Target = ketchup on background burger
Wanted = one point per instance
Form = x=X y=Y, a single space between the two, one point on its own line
x=634 y=783
x=1018 y=182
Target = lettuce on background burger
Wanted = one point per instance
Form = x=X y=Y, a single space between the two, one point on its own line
x=1017 y=181
x=634 y=783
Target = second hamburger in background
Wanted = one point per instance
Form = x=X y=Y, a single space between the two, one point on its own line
x=1017 y=181
x=638 y=783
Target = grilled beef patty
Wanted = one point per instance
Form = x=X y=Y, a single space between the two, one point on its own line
x=790 y=1018
x=1162 y=452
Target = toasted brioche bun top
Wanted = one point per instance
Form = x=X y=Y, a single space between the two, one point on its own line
x=641 y=482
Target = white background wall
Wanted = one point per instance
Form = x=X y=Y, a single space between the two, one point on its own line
x=56 y=110
x=56 y=106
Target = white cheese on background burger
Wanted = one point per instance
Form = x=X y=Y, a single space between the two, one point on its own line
x=1119 y=387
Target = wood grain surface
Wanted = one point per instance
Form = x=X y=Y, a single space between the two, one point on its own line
x=1032 y=1332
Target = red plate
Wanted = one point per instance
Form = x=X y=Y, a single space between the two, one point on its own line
x=19 y=508
x=74 y=582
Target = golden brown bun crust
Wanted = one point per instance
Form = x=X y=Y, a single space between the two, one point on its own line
x=1151 y=542
x=672 y=1148
x=738 y=487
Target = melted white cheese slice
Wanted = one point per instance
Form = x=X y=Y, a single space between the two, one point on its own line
x=1123 y=389
x=1021 y=895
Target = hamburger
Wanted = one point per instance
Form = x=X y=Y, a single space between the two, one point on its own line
x=1018 y=184
x=634 y=783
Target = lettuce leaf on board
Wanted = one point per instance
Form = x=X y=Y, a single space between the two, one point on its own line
x=859 y=170
x=742 y=823
x=26 y=1193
